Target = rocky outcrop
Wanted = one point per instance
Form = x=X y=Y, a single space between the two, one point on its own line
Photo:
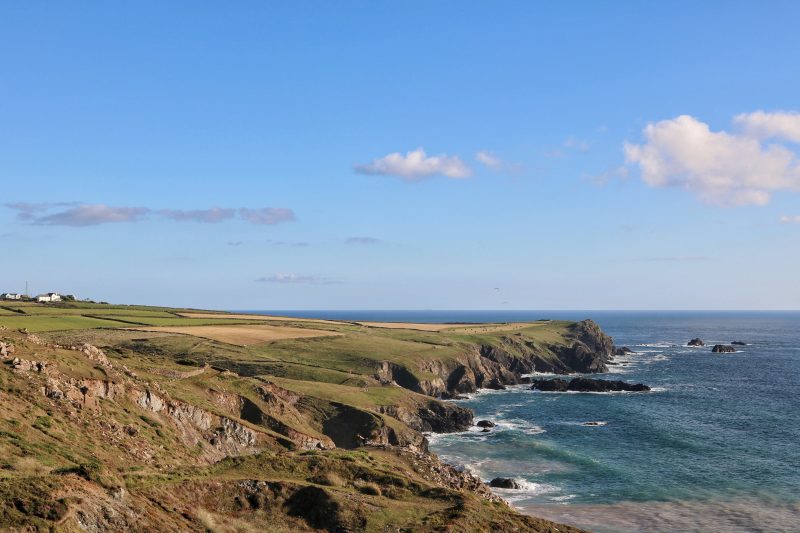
x=624 y=350
x=723 y=348
x=485 y=424
x=6 y=349
x=504 y=483
x=696 y=342
x=194 y=425
x=585 y=349
x=586 y=385
x=739 y=343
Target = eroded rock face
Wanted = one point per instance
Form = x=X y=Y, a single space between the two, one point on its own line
x=723 y=348
x=587 y=385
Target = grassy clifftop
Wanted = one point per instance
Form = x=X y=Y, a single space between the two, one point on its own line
x=123 y=417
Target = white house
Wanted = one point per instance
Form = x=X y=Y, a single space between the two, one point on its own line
x=11 y=296
x=49 y=297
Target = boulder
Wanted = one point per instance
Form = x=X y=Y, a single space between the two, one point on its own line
x=504 y=483
x=696 y=342
x=624 y=350
x=485 y=430
x=739 y=343
x=587 y=385
x=485 y=424
x=723 y=348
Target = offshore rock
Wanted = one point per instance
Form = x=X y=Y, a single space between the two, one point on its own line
x=723 y=348
x=504 y=483
x=587 y=385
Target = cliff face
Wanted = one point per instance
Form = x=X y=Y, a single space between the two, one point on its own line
x=583 y=349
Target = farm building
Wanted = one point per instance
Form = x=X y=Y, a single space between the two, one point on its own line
x=49 y=297
x=11 y=296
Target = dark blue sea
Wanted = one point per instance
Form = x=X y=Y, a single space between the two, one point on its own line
x=715 y=446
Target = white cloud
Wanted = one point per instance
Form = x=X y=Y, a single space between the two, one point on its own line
x=416 y=165
x=778 y=125
x=720 y=168
x=282 y=277
x=489 y=160
x=788 y=219
x=494 y=163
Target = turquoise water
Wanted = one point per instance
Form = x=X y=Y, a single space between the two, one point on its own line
x=715 y=446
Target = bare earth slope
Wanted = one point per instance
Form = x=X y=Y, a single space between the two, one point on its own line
x=103 y=428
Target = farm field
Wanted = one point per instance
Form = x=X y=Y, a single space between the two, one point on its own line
x=242 y=335
x=37 y=324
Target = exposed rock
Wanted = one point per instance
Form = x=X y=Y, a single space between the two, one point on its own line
x=696 y=342
x=587 y=385
x=593 y=423
x=6 y=349
x=551 y=385
x=485 y=424
x=739 y=343
x=723 y=348
x=504 y=483
x=624 y=350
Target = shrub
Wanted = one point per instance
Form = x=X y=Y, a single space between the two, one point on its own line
x=370 y=488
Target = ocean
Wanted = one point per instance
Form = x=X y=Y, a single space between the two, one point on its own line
x=715 y=446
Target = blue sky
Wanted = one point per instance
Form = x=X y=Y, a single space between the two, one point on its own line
x=375 y=155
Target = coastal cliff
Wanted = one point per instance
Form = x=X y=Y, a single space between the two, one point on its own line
x=121 y=429
x=583 y=348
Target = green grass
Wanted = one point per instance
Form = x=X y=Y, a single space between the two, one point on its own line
x=68 y=311
x=55 y=323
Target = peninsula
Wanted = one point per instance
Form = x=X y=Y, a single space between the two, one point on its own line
x=140 y=418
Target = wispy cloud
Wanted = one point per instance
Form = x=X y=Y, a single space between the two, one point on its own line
x=416 y=165
x=235 y=243
x=286 y=278
x=298 y=244
x=573 y=143
x=570 y=144
x=91 y=215
x=267 y=215
x=721 y=168
x=495 y=163
x=790 y=219
x=489 y=160
x=362 y=240
x=79 y=214
x=213 y=215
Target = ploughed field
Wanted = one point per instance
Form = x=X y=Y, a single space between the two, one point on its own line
x=181 y=419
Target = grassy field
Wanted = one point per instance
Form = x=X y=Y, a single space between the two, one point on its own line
x=55 y=323
x=243 y=335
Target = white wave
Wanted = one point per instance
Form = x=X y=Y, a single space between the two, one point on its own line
x=519 y=425
x=527 y=490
